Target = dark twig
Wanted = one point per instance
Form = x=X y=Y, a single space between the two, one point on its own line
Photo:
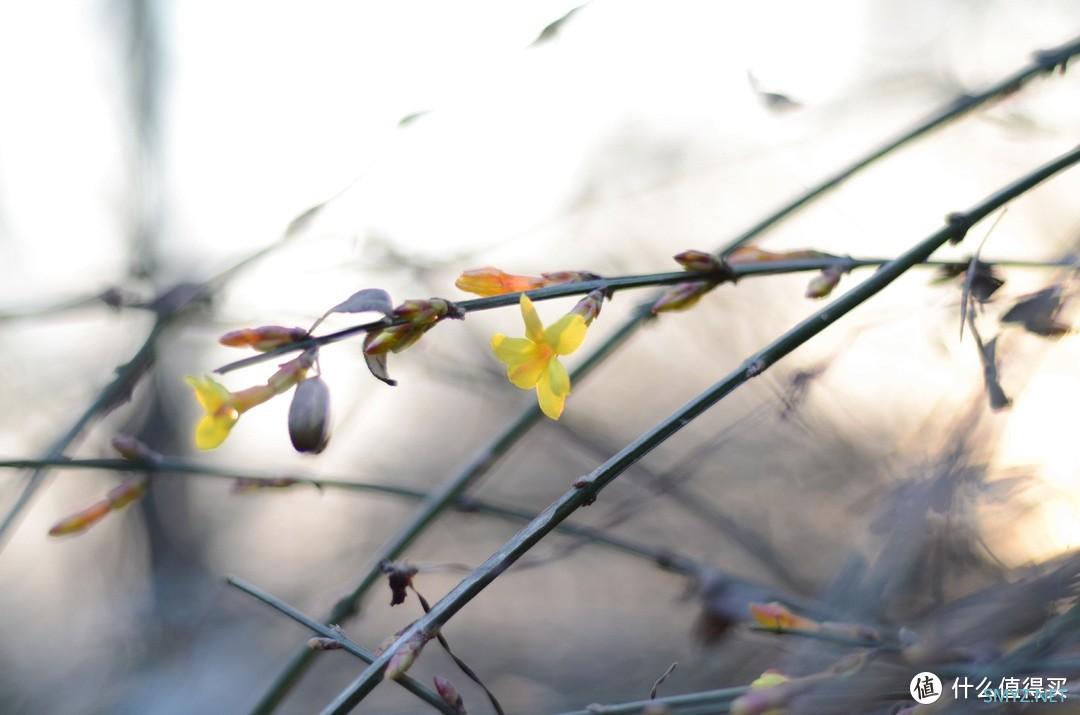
x=462 y=665
x=660 y=681
x=585 y=490
x=413 y=686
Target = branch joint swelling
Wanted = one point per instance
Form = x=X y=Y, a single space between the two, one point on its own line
x=959 y=224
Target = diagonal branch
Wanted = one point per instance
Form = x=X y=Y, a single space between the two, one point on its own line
x=1044 y=62
x=410 y=684
x=586 y=489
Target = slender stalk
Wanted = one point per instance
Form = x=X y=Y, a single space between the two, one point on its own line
x=704 y=698
x=615 y=284
x=1044 y=61
x=586 y=489
x=170 y=466
x=827 y=637
x=410 y=684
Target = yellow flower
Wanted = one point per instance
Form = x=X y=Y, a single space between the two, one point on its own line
x=532 y=361
x=223 y=408
x=220 y=415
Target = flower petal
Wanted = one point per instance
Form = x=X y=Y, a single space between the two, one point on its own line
x=513 y=351
x=526 y=374
x=552 y=389
x=566 y=334
x=210 y=393
x=212 y=431
x=534 y=329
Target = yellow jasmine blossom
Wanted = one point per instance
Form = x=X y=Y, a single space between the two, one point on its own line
x=223 y=408
x=532 y=361
x=220 y=415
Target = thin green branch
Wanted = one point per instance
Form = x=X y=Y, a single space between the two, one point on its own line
x=711 y=702
x=585 y=490
x=167 y=466
x=619 y=283
x=704 y=698
x=410 y=684
x=1044 y=61
x=828 y=637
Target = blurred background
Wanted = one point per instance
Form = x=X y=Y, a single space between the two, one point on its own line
x=144 y=143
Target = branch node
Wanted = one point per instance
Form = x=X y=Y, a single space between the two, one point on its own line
x=755 y=367
x=959 y=224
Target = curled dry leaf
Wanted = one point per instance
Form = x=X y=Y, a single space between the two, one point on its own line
x=368 y=300
x=377 y=365
x=552 y=29
x=1038 y=312
x=399 y=575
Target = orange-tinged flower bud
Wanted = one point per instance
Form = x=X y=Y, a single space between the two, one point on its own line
x=422 y=312
x=264 y=338
x=682 y=296
x=589 y=306
x=133 y=450
x=82 y=520
x=823 y=283
x=698 y=261
x=778 y=616
x=324 y=644
x=405 y=656
x=129 y=491
x=393 y=339
x=450 y=694
x=489 y=281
